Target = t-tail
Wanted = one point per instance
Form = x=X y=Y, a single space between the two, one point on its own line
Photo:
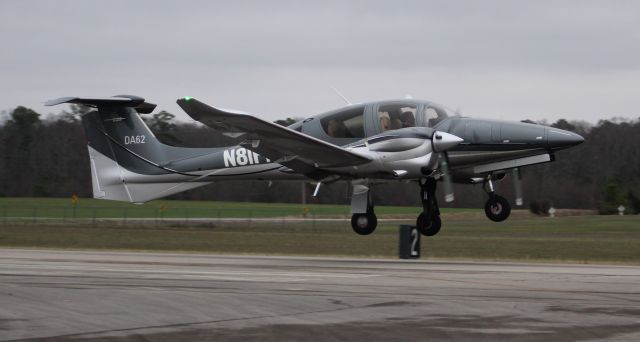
x=128 y=163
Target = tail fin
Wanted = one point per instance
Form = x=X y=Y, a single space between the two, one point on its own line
x=126 y=158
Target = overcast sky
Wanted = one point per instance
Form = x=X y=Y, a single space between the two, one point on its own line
x=578 y=60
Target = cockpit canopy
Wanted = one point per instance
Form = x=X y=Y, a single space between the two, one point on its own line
x=396 y=115
x=434 y=113
x=348 y=123
x=362 y=120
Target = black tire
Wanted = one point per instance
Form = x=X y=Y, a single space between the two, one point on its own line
x=364 y=224
x=497 y=210
x=427 y=226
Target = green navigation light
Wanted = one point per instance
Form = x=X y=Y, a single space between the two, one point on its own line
x=187 y=98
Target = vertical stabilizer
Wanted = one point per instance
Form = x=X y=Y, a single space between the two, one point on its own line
x=126 y=158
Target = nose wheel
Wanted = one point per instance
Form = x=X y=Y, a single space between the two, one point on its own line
x=429 y=223
x=497 y=208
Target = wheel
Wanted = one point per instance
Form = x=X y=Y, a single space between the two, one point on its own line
x=497 y=210
x=428 y=227
x=364 y=224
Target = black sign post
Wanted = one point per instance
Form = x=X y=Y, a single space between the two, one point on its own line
x=409 y=247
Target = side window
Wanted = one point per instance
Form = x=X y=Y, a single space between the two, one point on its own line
x=345 y=124
x=396 y=115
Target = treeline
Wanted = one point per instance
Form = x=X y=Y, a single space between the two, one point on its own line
x=47 y=157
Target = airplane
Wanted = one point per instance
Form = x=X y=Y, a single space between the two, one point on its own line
x=365 y=144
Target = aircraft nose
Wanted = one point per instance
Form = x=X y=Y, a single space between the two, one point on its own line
x=558 y=138
x=444 y=141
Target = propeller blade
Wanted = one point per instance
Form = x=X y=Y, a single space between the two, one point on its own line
x=446 y=178
x=517 y=186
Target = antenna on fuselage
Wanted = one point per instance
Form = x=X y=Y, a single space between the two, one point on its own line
x=341 y=96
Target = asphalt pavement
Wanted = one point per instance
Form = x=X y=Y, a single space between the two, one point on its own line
x=129 y=296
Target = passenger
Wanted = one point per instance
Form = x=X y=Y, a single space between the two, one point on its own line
x=408 y=120
x=385 y=121
x=396 y=124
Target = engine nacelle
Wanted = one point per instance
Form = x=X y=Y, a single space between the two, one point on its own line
x=403 y=153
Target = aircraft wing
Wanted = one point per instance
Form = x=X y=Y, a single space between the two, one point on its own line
x=282 y=145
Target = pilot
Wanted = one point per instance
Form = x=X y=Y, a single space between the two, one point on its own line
x=385 y=121
x=335 y=129
x=396 y=124
x=408 y=120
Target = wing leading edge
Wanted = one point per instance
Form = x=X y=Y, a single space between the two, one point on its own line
x=282 y=145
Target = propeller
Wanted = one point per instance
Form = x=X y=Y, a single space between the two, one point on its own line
x=443 y=142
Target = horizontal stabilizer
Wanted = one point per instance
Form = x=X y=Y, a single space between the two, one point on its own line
x=136 y=102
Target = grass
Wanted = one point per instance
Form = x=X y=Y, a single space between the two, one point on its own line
x=90 y=208
x=582 y=239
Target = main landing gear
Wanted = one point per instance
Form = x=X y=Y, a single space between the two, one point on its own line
x=364 y=224
x=497 y=208
x=429 y=223
x=363 y=219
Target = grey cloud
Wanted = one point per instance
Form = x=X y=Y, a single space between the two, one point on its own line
x=422 y=34
x=544 y=58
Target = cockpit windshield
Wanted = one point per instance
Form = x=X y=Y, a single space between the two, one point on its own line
x=433 y=114
x=396 y=115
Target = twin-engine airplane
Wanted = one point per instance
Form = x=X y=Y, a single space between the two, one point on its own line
x=364 y=144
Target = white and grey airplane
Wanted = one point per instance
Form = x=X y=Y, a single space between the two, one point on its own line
x=365 y=144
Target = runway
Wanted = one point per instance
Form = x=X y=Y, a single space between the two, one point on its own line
x=118 y=296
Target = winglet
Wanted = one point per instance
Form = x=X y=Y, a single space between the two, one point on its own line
x=195 y=108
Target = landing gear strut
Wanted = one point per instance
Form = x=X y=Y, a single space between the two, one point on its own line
x=497 y=208
x=429 y=223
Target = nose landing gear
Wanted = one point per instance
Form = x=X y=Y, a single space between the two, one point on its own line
x=497 y=208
